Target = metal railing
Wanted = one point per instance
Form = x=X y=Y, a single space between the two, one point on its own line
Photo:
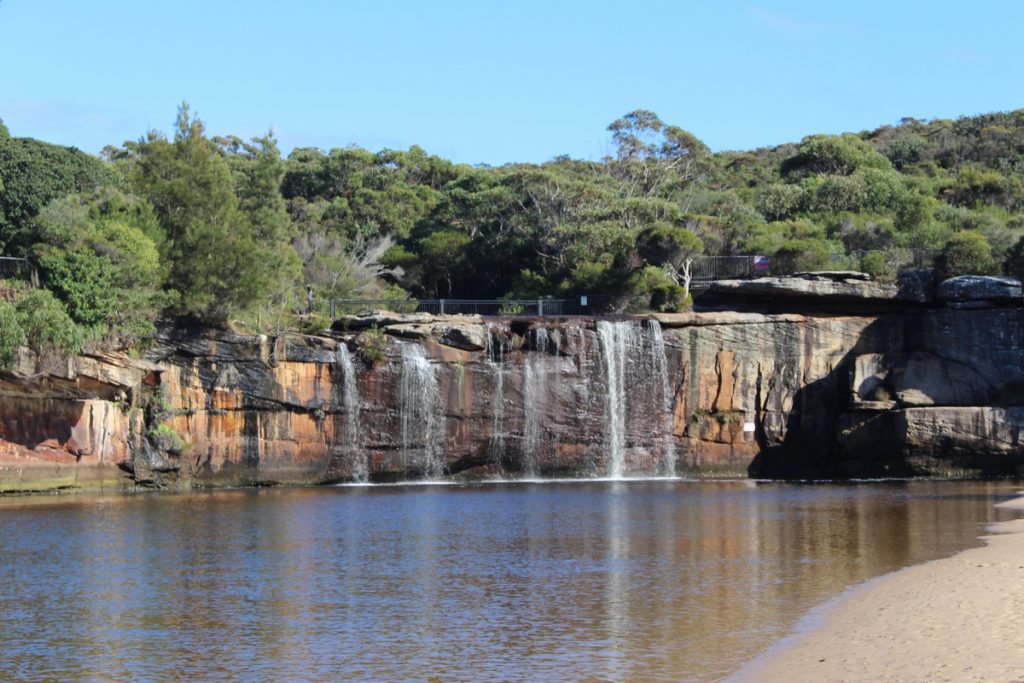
x=727 y=267
x=487 y=307
x=12 y=268
x=704 y=270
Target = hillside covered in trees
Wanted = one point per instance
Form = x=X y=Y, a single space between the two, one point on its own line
x=219 y=228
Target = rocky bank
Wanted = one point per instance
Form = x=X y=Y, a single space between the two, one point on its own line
x=823 y=375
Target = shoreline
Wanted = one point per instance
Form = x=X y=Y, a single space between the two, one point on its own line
x=958 y=618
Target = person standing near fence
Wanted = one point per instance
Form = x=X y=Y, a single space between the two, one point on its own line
x=309 y=299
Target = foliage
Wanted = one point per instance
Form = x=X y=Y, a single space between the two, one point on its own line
x=654 y=289
x=874 y=264
x=96 y=255
x=373 y=345
x=966 y=253
x=314 y=323
x=834 y=155
x=225 y=228
x=32 y=174
x=166 y=438
x=1014 y=263
x=11 y=335
x=49 y=330
x=218 y=261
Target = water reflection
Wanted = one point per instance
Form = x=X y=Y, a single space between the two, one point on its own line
x=656 y=580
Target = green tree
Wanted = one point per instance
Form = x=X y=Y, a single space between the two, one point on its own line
x=674 y=249
x=650 y=154
x=258 y=171
x=652 y=289
x=834 y=155
x=32 y=174
x=96 y=255
x=217 y=265
x=1014 y=262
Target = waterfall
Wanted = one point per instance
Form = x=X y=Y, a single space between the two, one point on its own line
x=535 y=392
x=658 y=367
x=615 y=339
x=420 y=411
x=496 y=350
x=350 y=402
x=633 y=357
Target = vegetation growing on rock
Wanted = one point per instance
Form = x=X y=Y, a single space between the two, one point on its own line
x=221 y=228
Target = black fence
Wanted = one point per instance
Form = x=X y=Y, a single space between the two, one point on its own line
x=728 y=267
x=489 y=307
x=15 y=268
x=704 y=270
x=18 y=269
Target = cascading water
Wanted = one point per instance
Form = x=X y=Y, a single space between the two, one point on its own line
x=535 y=391
x=615 y=340
x=658 y=366
x=420 y=411
x=497 y=349
x=633 y=357
x=350 y=402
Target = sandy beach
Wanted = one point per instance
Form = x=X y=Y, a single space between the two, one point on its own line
x=955 y=619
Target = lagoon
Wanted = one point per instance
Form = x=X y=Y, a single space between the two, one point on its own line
x=566 y=580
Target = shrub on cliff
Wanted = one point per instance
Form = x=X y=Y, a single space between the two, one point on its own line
x=653 y=289
x=966 y=253
x=874 y=264
x=1014 y=263
x=49 y=330
x=11 y=335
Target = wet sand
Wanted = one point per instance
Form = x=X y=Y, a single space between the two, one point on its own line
x=956 y=619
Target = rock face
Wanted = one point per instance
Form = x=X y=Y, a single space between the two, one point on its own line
x=979 y=291
x=814 y=291
x=70 y=426
x=896 y=392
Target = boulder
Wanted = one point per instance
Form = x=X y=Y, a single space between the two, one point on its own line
x=363 y=321
x=925 y=379
x=868 y=373
x=463 y=336
x=980 y=291
x=468 y=337
x=808 y=286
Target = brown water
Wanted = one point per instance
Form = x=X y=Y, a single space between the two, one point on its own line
x=655 y=580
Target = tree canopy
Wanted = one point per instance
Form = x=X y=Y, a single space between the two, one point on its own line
x=223 y=228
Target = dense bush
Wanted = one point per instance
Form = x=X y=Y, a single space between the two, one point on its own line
x=49 y=330
x=224 y=228
x=966 y=253
x=11 y=335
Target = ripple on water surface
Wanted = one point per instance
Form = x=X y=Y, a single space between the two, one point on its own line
x=655 y=579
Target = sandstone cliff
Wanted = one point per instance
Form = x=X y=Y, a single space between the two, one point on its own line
x=918 y=387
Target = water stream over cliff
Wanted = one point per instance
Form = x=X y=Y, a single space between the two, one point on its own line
x=350 y=404
x=496 y=351
x=658 y=372
x=420 y=412
x=636 y=387
x=535 y=392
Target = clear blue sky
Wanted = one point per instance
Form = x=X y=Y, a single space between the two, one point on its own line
x=493 y=81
